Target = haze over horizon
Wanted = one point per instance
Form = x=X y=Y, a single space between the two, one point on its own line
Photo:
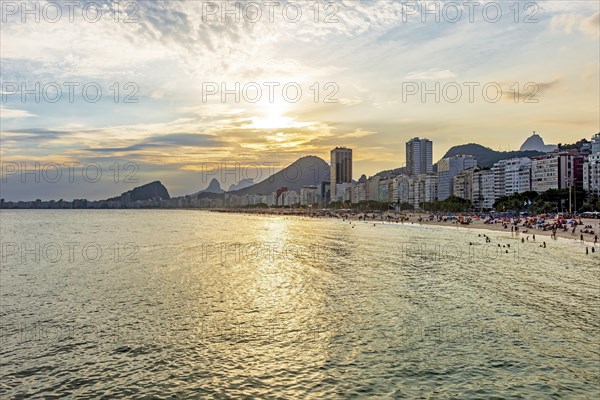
x=370 y=54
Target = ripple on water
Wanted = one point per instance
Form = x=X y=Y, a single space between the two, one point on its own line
x=362 y=312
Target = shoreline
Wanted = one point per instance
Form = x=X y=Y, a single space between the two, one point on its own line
x=499 y=228
x=478 y=224
x=486 y=228
x=412 y=220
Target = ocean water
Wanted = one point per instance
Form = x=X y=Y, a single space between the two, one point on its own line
x=188 y=304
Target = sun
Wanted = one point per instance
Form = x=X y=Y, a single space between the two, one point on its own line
x=273 y=116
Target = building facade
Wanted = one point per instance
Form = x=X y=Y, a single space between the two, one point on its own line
x=557 y=171
x=463 y=184
x=484 y=194
x=405 y=189
x=419 y=156
x=341 y=169
x=308 y=195
x=448 y=168
x=499 y=181
x=517 y=175
x=426 y=189
x=596 y=143
x=591 y=174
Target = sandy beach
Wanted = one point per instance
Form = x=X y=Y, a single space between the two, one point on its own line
x=587 y=224
x=523 y=232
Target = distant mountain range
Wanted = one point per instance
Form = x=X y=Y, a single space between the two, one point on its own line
x=306 y=171
x=312 y=170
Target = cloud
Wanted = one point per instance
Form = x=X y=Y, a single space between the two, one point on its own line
x=368 y=53
x=431 y=75
x=170 y=140
x=358 y=133
x=350 y=101
x=527 y=92
x=579 y=122
x=591 y=25
x=6 y=113
x=570 y=23
x=591 y=71
x=34 y=134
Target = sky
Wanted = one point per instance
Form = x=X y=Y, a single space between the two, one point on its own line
x=184 y=91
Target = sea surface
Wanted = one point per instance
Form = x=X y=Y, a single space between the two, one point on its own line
x=194 y=304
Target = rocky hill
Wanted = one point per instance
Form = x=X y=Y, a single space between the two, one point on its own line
x=306 y=171
x=536 y=143
x=486 y=157
x=213 y=187
x=148 y=191
x=244 y=183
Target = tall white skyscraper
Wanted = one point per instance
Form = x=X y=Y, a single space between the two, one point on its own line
x=419 y=156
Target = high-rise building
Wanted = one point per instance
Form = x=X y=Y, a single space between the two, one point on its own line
x=372 y=188
x=308 y=195
x=591 y=174
x=463 y=184
x=324 y=193
x=341 y=169
x=596 y=143
x=383 y=195
x=426 y=189
x=499 y=180
x=517 y=175
x=419 y=156
x=448 y=168
x=483 y=189
x=556 y=171
x=393 y=190
x=405 y=189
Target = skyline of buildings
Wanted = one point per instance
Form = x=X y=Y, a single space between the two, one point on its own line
x=458 y=176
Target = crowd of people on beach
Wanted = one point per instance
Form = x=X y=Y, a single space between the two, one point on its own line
x=518 y=224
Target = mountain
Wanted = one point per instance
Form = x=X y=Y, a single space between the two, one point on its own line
x=213 y=187
x=244 y=183
x=486 y=157
x=392 y=172
x=306 y=171
x=580 y=145
x=536 y=143
x=145 y=192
